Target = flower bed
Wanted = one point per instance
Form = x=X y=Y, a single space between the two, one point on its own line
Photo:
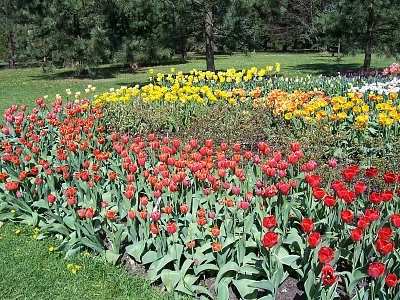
x=189 y=211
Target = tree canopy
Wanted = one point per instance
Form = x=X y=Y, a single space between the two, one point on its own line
x=85 y=33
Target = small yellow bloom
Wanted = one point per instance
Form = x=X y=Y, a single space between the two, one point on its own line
x=17 y=232
x=69 y=266
x=172 y=70
x=151 y=71
x=86 y=254
x=51 y=249
x=288 y=116
x=13 y=211
x=73 y=271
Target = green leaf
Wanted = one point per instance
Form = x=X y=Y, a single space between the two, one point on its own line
x=55 y=227
x=223 y=288
x=96 y=247
x=309 y=284
x=186 y=265
x=157 y=266
x=357 y=275
x=149 y=257
x=41 y=203
x=245 y=290
x=246 y=269
x=202 y=290
x=6 y=216
x=170 y=279
x=263 y=284
x=112 y=257
x=136 y=249
x=287 y=259
x=107 y=197
x=201 y=268
x=229 y=266
x=70 y=222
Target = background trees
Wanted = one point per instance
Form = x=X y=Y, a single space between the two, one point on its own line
x=84 y=33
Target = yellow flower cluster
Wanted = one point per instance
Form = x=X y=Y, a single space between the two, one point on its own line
x=200 y=87
x=245 y=88
x=74 y=268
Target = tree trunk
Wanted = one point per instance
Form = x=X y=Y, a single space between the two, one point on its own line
x=369 y=37
x=10 y=51
x=209 y=36
x=184 y=49
x=367 y=57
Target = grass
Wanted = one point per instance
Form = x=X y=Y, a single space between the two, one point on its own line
x=30 y=271
x=25 y=85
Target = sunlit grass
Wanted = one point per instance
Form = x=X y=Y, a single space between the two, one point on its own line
x=25 y=85
x=32 y=269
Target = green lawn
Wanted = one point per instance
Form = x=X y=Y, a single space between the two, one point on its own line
x=29 y=271
x=25 y=85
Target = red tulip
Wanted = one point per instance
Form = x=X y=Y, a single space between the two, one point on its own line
x=395 y=220
x=318 y=193
x=51 y=198
x=360 y=188
x=154 y=228
x=385 y=233
x=376 y=269
x=11 y=185
x=167 y=209
x=144 y=200
x=326 y=254
x=363 y=223
x=356 y=234
x=371 y=172
x=347 y=216
x=391 y=280
x=81 y=213
x=372 y=214
x=295 y=146
x=171 y=227
x=307 y=225
x=389 y=177
x=71 y=200
x=270 y=239
x=383 y=246
x=387 y=196
x=330 y=200
x=215 y=231
x=284 y=187
x=201 y=221
x=269 y=222
x=314 y=239
x=328 y=277
x=156 y=215
x=89 y=213
x=191 y=244
x=183 y=208
x=332 y=163
x=110 y=214
x=143 y=214
x=349 y=173
x=216 y=247
x=243 y=205
x=131 y=214
x=375 y=198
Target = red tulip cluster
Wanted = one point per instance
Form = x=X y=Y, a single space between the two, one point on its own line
x=165 y=192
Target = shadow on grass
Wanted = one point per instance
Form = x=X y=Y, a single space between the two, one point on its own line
x=101 y=72
x=327 y=68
